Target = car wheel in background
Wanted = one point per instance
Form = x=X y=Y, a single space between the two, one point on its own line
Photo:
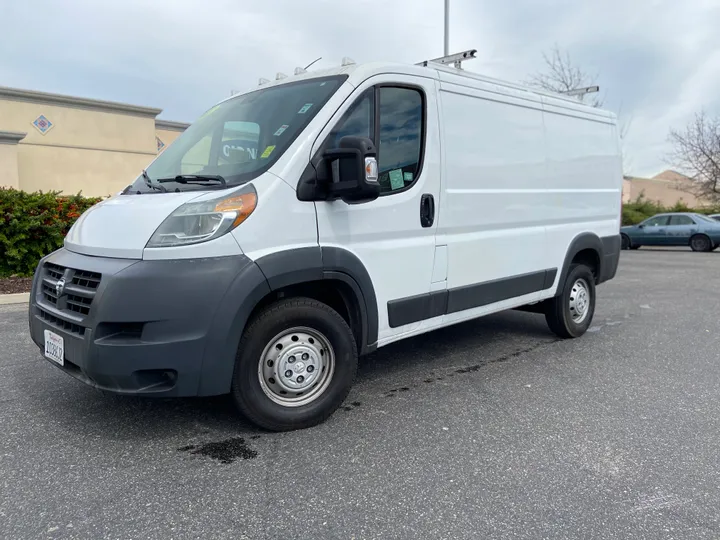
x=626 y=244
x=700 y=242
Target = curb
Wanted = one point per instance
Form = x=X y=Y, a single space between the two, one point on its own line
x=9 y=299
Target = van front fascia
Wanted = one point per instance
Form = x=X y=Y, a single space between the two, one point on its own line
x=145 y=331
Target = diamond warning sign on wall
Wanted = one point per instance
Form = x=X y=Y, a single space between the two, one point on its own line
x=42 y=124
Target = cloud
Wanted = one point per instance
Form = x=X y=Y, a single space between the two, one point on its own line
x=657 y=60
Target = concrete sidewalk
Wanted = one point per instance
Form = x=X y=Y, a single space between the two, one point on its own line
x=19 y=298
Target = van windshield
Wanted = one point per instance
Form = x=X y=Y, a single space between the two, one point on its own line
x=238 y=139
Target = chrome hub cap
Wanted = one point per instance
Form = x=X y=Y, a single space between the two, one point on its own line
x=579 y=301
x=296 y=367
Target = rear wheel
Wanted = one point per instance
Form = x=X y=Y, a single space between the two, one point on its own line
x=700 y=242
x=295 y=365
x=570 y=314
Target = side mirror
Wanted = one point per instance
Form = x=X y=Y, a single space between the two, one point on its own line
x=641 y=226
x=353 y=170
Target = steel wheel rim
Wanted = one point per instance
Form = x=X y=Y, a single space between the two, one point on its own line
x=296 y=367
x=580 y=300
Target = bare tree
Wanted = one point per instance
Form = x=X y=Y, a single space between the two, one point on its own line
x=562 y=75
x=696 y=152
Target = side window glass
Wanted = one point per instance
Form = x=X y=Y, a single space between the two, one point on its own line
x=681 y=220
x=239 y=142
x=656 y=221
x=401 y=137
x=358 y=121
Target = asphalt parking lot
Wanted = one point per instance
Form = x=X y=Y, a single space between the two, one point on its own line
x=491 y=429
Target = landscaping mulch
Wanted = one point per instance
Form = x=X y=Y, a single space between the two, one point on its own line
x=14 y=285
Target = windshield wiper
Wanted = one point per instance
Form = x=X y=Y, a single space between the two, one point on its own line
x=149 y=183
x=200 y=179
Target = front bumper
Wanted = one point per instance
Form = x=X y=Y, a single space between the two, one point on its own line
x=163 y=328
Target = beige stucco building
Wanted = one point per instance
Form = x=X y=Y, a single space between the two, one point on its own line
x=52 y=142
x=668 y=188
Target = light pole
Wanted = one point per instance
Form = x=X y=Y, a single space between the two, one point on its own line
x=447 y=27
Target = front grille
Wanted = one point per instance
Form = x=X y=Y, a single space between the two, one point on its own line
x=88 y=280
x=49 y=295
x=69 y=290
x=78 y=304
x=52 y=320
x=54 y=271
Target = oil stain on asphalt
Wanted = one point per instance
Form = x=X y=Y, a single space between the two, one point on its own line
x=473 y=368
x=223 y=451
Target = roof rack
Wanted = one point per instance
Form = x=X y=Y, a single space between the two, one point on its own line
x=578 y=92
x=456 y=59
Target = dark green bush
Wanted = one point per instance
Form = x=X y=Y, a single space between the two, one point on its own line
x=33 y=225
x=642 y=208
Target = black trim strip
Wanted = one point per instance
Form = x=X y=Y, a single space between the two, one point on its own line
x=417 y=308
x=426 y=306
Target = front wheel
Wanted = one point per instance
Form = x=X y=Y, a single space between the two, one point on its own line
x=295 y=365
x=570 y=314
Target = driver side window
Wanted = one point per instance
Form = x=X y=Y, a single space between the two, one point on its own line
x=398 y=135
x=657 y=221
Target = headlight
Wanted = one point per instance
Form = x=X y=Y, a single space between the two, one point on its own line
x=197 y=222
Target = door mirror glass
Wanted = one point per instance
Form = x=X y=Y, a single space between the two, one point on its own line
x=353 y=169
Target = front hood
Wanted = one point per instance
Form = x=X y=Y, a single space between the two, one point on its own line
x=121 y=226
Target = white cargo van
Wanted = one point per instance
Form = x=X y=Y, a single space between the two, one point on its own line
x=321 y=216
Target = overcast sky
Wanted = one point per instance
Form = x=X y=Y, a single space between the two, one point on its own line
x=657 y=61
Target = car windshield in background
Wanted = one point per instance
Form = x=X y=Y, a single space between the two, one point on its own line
x=705 y=218
x=238 y=139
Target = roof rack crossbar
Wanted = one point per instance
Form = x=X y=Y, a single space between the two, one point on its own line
x=455 y=59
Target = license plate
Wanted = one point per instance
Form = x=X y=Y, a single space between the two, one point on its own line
x=54 y=347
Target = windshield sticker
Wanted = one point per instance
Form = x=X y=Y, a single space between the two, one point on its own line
x=281 y=130
x=267 y=152
x=305 y=108
x=396 y=179
x=407 y=176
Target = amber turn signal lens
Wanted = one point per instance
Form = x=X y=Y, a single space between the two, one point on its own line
x=242 y=204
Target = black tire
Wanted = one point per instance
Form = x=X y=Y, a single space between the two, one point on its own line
x=247 y=390
x=558 y=313
x=700 y=242
x=626 y=243
x=635 y=246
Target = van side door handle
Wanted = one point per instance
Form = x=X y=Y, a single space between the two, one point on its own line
x=427 y=210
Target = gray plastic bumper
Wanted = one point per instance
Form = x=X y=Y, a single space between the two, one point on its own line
x=164 y=328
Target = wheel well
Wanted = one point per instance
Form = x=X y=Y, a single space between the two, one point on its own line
x=590 y=258
x=331 y=292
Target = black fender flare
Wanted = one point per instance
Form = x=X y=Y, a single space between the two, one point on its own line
x=256 y=279
x=581 y=242
x=302 y=265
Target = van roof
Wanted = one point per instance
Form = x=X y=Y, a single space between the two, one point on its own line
x=360 y=72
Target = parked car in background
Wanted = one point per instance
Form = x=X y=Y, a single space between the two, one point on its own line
x=699 y=232
x=716 y=217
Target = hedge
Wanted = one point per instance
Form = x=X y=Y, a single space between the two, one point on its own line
x=641 y=208
x=33 y=225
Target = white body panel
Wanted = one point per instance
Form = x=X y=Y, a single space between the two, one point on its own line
x=122 y=225
x=516 y=176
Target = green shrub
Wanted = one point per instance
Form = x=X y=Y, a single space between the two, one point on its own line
x=641 y=208
x=33 y=225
